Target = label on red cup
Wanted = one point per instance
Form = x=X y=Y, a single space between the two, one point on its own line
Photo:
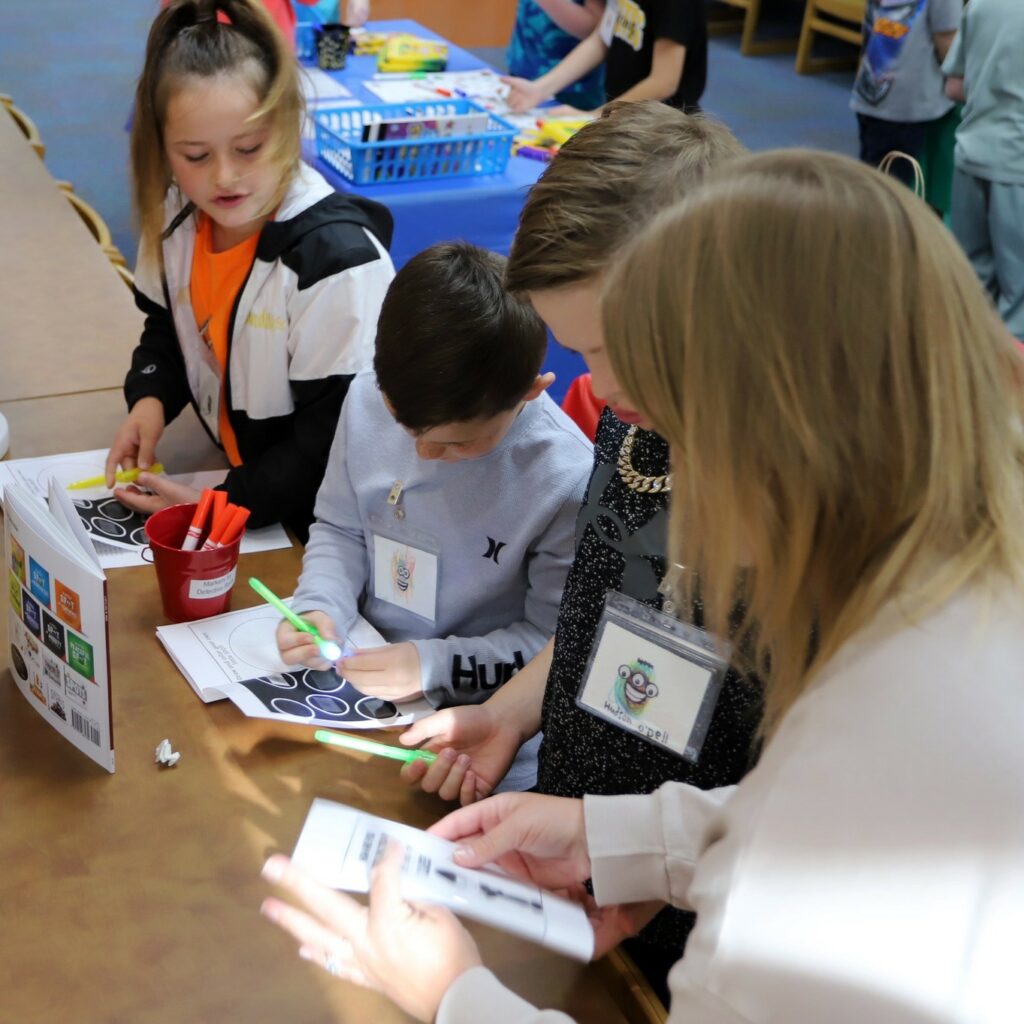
x=198 y=589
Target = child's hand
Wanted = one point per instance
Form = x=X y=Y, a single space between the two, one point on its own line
x=136 y=439
x=299 y=648
x=523 y=94
x=164 y=493
x=475 y=751
x=391 y=673
x=356 y=12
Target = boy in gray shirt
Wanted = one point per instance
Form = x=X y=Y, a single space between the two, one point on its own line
x=986 y=72
x=898 y=91
x=446 y=517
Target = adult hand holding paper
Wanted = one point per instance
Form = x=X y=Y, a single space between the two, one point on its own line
x=541 y=838
x=410 y=952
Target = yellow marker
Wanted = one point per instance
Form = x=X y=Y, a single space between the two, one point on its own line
x=122 y=476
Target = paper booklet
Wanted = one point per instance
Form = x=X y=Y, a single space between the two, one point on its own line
x=57 y=619
x=118 y=533
x=338 y=846
x=235 y=656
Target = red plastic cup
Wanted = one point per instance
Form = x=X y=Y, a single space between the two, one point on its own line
x=193 y=584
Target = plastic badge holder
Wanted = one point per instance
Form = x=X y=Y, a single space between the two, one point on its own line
x=340 y=145
x=693 y=644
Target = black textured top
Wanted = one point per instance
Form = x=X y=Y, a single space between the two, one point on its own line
x=620 y=545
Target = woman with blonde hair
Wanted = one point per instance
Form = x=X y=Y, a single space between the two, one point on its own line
x=844 y=412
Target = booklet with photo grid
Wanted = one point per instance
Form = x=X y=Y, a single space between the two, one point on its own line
x=57 y=619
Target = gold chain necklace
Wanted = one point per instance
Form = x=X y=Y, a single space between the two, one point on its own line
x=631 y=478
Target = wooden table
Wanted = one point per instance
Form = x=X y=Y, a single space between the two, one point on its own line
x=134 y=897
x=67 y=322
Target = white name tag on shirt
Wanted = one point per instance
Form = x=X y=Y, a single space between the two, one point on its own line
x=652 y=675
x=405 y=574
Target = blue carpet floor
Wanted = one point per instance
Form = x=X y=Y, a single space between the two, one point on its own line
x=72 y=67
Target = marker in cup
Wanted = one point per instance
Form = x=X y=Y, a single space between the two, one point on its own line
x=329 y=649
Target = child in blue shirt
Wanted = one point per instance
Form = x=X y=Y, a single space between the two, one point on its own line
x=447 y=514
x=545 y=31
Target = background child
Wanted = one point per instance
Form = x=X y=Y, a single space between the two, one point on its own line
x=986 y=69
x=544 y=32
x=898 y=91
x=261 y=285
x=447 y=512
x=652 y=49
x=605 y=184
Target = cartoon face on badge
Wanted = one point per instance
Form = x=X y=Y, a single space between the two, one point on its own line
x=403 y=565
x=635 y=686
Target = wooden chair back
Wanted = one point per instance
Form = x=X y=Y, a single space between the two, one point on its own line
x=840 y=19
x=25 y=124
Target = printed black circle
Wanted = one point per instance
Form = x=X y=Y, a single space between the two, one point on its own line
x=106 y=528
x=375 y=708
x=323 y=681
x=287 y=706
x=288 y=682
x=113 y=509
x=325 y=704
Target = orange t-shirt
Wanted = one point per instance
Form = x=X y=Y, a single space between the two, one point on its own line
x=217 y=278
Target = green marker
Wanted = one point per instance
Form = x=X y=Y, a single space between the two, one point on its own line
x=337 y=739
x=328 y=648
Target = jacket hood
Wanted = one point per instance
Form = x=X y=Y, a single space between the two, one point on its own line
x=309 y=205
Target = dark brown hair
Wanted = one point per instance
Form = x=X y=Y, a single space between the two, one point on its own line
x=188 y=40
x=452 y=344
x=605 y=184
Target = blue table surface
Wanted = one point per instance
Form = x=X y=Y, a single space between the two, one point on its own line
x=482 y=209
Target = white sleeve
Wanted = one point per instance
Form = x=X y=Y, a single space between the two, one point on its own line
x=333 y=323
x=477 y=995
x=646 y=847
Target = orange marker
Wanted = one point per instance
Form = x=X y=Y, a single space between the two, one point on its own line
x=220 y=522
x=195 y=530
x=234 y=528
x=443 y=92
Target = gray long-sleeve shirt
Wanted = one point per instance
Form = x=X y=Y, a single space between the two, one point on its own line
x=502 y=527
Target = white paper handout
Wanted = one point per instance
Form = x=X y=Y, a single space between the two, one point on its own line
x=339 y=845
x=117 y=533
x=235 y=656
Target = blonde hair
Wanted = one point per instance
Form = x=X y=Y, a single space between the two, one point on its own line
x=843 y=406
x=607 y=181
x=188 y=41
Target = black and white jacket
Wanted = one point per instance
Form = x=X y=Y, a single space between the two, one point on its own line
x=303 y=325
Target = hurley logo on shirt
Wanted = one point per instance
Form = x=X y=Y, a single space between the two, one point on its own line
x=630 y=22
x=474 y=676
x=494 y=549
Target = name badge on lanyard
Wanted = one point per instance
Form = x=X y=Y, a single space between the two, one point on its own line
x=652 y=675
x=406 y=565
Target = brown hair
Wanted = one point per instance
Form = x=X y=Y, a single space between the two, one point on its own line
x=188 y=40
x=607 y=181
x=843 y=406
x=452 y=344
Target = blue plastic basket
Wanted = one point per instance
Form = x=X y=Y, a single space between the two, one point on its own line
x=339 y=144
